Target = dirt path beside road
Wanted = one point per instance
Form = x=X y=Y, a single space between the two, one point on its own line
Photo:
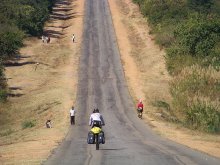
x=50 y=91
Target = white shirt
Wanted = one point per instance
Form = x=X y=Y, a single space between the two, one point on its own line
x=72 y=111
x=96 y=116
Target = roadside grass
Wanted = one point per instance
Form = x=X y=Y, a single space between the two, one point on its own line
x=143 y=59
x=41 y=97
x=194 y=135
x=164 y=38
x=175 y=64
x=196 y=92
x=27 y=124
x=124 y=7
x=6 y=132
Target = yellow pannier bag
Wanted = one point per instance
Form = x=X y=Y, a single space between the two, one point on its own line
x=96 y=129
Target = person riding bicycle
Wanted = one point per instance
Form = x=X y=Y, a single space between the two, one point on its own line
x=96 y=119
x=140 y=109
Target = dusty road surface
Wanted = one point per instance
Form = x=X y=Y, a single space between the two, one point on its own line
x=102 y=85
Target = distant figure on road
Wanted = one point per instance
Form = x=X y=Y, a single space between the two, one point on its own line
x=72 y=116
x=73 y=38
x=48 y=124
x=48 y=39
x=43 y=39
x=140 y=109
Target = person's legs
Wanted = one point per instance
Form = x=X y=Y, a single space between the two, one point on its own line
x=72 y=122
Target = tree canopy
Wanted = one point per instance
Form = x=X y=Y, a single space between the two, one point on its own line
x=18 y=19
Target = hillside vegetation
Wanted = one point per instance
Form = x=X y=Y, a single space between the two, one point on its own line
x=189 y=31
x=19 y=19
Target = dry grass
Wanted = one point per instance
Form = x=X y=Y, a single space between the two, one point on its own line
x=124 y=7
x=196 y=95
x=147 y=61
x=37 y=95
x=42 y=91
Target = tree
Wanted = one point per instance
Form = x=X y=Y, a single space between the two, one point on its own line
x=197 y=36
x=202 y=6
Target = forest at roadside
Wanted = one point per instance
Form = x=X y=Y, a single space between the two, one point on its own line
x=19 y=19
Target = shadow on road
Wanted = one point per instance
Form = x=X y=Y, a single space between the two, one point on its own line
x=113 y=149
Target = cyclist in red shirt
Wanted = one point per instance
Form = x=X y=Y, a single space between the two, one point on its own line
x=140 y=109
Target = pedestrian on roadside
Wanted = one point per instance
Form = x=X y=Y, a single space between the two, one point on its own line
x=48 y=124
x=43 y=39
x=48 y=39
x=72 y=116
x=73 y=38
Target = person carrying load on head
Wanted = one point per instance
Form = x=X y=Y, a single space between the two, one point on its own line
x=140 y=109
x=96 y=119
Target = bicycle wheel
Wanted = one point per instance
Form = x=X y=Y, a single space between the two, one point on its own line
x=97 y=142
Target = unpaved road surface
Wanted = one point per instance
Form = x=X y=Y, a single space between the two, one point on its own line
x=102 y=85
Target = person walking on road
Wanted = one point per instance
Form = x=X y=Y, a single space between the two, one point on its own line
x=72 y=116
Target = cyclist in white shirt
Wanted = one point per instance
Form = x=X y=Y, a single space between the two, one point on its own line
x=96 y=119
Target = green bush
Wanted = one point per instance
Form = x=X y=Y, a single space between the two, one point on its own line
x=158 y=11
x=11 y=40
x=28 y=15
x=27 y=124
x=198 y=36
x=202 y=6
x=3 y=95
x=162 y=104
x=3 y=85
x=176 y=63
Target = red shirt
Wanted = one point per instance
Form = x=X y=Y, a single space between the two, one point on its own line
x=140 y=105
